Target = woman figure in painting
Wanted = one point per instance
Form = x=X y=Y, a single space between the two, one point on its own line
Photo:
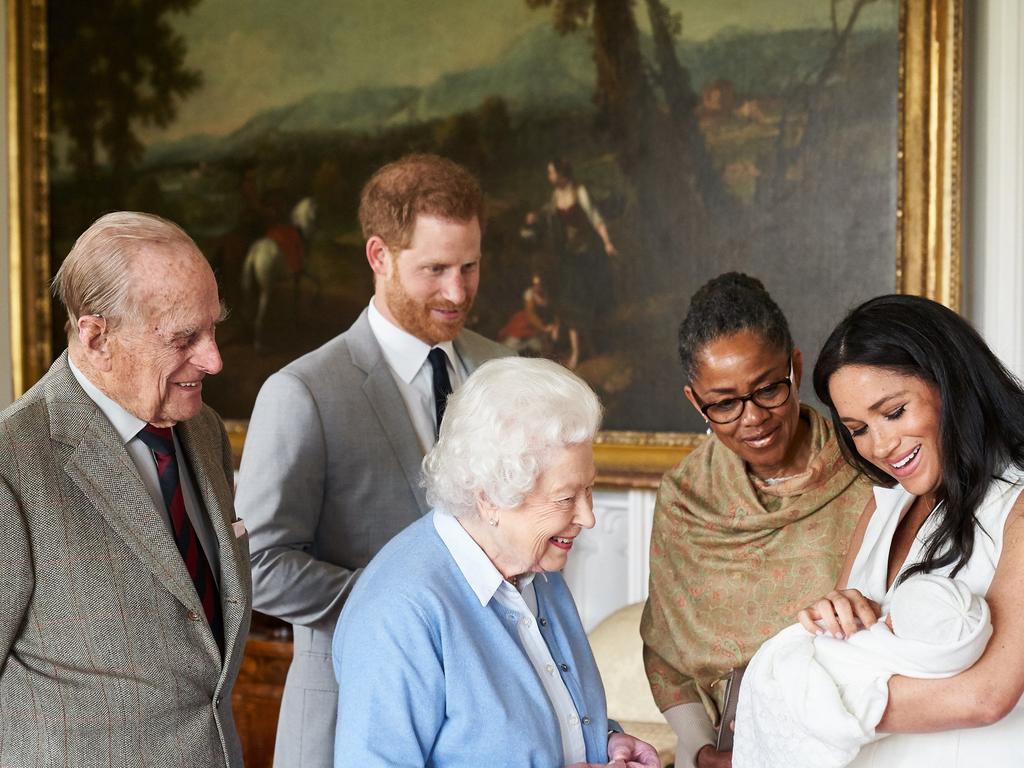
x=926 y=410
x=536 y=329
x=749 y=524
x=460 y=644
x=581 y=246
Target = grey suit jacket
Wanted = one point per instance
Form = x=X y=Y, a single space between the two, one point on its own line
x=107 y=656
x=330 y=473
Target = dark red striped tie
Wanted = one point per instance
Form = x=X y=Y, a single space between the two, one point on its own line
x=161 y=442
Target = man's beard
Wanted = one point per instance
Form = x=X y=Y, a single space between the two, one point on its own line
x=416 y=317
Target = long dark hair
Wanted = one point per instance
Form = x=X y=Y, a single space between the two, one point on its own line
x=981 y=418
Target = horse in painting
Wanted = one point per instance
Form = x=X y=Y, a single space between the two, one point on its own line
x=278 y=256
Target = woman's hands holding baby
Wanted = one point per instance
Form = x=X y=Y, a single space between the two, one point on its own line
x=841 y=612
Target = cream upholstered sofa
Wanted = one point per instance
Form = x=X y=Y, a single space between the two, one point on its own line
x=619 y=652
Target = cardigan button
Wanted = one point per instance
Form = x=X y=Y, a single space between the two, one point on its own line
x=543 y=622
x=586 y=720
x=564 y=667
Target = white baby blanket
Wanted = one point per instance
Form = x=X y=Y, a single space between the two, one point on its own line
x=814 y=701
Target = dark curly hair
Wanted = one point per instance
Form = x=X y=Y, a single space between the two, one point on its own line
x=981 y=415
x=728 y=304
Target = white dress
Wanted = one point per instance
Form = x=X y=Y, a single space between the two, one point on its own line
x=996 y=746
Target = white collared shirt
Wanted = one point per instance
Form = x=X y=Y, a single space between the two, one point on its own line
x=406 y=356
x=127 y=428
x=487 y=583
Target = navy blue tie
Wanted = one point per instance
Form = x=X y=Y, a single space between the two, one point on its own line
x=442 y=384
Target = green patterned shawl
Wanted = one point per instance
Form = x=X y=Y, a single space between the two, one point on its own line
x=733 y=560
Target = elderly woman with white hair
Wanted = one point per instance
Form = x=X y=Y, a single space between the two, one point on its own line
x=460 y=645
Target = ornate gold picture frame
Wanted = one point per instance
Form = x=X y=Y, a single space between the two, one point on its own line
x=926 y=215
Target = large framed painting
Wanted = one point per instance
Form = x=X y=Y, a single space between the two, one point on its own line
x=629 y=151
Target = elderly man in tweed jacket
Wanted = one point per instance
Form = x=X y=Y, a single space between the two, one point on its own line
x=126 y=590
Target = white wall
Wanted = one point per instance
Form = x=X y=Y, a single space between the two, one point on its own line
x=994 y=176
x=609 y=566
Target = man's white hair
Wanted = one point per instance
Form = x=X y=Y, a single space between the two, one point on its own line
x=96 y=276
x=500 y=429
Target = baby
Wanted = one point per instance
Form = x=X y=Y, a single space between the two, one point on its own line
x=811 y=700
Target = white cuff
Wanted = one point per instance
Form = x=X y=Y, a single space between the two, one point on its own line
x=693 y=730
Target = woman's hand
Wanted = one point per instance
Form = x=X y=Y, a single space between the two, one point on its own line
x=839 y=612
x=631 y=752
x=709 y=757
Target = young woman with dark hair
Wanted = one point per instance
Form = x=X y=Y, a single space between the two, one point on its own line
x=925 y=408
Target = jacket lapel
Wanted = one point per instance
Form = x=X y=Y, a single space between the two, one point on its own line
x=470 y=351
x=101 y=468
x=382 y=392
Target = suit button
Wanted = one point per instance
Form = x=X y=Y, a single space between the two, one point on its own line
x=193 y=616
x=217 y=701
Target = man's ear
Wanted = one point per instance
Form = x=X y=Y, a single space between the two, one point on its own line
x=378 y=256
x=91 y=332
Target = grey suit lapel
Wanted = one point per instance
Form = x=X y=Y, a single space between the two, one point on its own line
x=471 y=352
x=382 y=392
x=101 y=468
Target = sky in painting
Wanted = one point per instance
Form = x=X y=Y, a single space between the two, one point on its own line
x=260 y=54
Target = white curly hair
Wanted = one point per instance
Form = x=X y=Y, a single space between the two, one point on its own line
x=500 y=428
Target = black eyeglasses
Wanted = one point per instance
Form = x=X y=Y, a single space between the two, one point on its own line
x=731 y=408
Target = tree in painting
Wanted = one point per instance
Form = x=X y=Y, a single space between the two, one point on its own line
x=659 y=127
x=658 y=151
x=114 y=65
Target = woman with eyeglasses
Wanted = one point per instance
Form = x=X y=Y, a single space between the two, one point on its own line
x=751 y=525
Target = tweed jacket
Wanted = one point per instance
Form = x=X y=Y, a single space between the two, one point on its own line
x=330 y=473
x=108 y=659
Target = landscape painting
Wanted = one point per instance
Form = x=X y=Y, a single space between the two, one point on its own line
x=629 y=151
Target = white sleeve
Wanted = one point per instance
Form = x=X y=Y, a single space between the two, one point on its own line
x=693 y=730
x=583 y=198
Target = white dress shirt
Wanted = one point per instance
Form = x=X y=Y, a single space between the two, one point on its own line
x=406 y=356
x=487 y=583
x=127 y=428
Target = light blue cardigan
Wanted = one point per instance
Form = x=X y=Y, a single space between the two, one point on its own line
x=429 y=677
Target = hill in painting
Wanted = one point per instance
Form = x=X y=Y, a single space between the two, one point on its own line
x=541 y=73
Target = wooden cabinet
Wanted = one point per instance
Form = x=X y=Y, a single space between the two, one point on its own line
x=256 y=698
